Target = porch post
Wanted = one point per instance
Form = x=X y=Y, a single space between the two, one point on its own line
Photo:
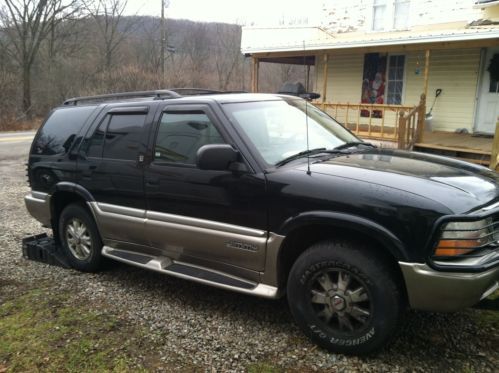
x=421 y=118
x=401 y=132
x=495 y=148
x=426 y=72
x=324 y=83
x=255 y=67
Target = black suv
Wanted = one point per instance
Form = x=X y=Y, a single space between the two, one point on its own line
x=267 y=195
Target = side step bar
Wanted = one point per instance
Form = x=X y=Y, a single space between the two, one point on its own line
x=190 y=272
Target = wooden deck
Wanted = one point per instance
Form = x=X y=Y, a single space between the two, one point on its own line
x=468 y=147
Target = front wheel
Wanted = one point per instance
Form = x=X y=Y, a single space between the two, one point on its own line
x=344 y=298
x=80 y=238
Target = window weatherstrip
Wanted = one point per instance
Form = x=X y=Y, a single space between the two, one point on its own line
x=130 y=110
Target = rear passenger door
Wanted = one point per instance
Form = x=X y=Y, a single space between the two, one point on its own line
x=111 y=169
x=213 y=218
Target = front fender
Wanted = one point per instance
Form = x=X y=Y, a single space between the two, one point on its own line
x=351 y=222
x=66 y=186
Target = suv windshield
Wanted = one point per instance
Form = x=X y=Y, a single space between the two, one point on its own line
x=278 y=129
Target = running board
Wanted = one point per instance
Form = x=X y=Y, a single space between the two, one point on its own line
x=186 y=271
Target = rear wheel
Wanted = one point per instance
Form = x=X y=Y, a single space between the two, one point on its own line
x=344 y=298
x=80 y=238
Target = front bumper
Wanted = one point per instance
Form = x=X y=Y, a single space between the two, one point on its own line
x=38 y=205
x=432 y=290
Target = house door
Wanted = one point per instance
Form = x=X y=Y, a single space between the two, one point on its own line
x=488 y=98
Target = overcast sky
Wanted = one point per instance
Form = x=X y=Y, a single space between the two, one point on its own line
x=248 y=12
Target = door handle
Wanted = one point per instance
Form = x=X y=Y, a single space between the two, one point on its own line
x=89 y=171
x=152 y=181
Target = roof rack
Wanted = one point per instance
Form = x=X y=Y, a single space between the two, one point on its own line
x=201 y=91
x=195 y=91
x=157 y=95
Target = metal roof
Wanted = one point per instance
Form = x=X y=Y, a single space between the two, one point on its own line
x=261 y=40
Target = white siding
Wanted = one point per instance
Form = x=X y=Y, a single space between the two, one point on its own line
x=356 y=15
x=454 y=71
x=344 y=77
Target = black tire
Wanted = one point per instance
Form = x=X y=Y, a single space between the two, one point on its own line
x=84 y=252
x=334 y=315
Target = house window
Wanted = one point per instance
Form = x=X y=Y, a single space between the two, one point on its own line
x=395 y=82
x=382 y=81
x=390 y=14
x=401 y=14
x=379 y=14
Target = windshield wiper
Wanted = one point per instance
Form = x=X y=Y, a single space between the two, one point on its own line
x=354 y=143
x=299 y=155
x=303 y=154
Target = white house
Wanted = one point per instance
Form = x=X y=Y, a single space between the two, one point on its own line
x=389 y=52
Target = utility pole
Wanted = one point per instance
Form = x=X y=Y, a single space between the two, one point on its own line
x=163 y=44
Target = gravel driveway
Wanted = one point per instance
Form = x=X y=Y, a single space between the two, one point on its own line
x=218 y=330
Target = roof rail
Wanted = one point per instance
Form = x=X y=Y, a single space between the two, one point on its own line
x=157 y=95
x=195 y=91
x=201 y=91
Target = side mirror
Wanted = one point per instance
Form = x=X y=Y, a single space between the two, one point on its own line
x=216 y=157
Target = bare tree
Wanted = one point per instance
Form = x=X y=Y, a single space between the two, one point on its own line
x=25 y=24
x=112 y=26
x=147 y=48
x=227 y=53
x=196 y=46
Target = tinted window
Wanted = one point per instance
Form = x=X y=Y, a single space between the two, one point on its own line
x=181 y=134
x=93 y=147
x=60 y=130
x=124 y=136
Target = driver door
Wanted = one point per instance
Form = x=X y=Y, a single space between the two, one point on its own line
x=213 y=218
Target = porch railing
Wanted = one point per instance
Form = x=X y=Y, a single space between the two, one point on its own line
x=401 y=124
x=411 y=125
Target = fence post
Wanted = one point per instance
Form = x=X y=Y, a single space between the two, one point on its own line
x=421 y=118
x=495 y=148
x=401 y=134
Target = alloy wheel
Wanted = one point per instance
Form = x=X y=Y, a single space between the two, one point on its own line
x=78 y=239
x=340 y=300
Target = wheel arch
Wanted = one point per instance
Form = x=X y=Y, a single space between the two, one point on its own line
x=312 y=227
x=65 y=193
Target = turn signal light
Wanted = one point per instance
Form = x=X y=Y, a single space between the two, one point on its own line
x=455 y=247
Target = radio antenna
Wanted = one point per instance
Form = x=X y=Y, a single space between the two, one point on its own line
x=306 y=107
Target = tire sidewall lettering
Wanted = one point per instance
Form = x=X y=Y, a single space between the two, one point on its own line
x=342 y=341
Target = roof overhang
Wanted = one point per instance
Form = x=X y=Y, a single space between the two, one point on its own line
x=304 y=40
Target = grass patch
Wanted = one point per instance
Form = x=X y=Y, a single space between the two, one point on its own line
x=494 y=295
x=13 y=124
x=41 y=331
x=487 y=319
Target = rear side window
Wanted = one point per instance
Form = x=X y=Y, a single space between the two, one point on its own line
x=118 y=136
x=182 y=133
x=94 y=146
x=124 y=136
x=60 y=130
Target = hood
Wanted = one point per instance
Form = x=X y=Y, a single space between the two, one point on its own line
x=459 y=186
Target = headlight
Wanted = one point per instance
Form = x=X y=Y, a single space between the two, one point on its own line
x=461 y=238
